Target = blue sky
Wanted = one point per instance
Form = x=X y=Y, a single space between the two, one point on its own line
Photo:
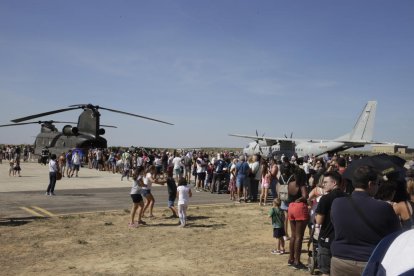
x=210 y=67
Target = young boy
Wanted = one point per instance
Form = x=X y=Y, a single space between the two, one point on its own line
x=172 y=194
x=278 y=218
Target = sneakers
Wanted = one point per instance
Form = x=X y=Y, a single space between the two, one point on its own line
x=46 y=193
x=277 y=252
x=299 y=266
x=132 y=225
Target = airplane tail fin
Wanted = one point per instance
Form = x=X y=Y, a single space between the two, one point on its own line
x=364 y=127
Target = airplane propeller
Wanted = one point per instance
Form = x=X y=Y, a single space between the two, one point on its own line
x=257 y=142
x=291 y=135
x=83 y=106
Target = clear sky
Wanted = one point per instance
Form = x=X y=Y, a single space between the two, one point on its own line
x=210 y=67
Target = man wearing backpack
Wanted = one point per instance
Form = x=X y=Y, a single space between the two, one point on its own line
x=218 y=175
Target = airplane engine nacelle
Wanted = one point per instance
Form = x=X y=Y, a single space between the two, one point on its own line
x=101 y=131
x=68 y=130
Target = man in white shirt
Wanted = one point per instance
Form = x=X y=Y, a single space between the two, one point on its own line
x=76 y=163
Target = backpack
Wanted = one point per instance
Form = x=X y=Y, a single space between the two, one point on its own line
x=187 y=161
x=282 y=192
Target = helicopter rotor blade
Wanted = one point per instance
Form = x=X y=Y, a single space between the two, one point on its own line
x=38 y=122
x=19 y=124
x=18 y=120
x=135 y=115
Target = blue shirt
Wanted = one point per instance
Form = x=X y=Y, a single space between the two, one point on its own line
x=242 y=169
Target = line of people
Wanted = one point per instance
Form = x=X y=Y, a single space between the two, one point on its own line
x=348 y=219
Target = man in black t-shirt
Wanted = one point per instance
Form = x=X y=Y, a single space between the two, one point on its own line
x=331 y=183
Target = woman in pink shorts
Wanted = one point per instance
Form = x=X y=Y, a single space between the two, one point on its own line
x=266 y=179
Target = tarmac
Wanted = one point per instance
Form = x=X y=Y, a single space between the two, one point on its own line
x=92 y=191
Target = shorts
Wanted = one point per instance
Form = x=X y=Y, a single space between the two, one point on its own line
x=265 y=185
x=145 y=192
x=171 y=203
x=69 y=166
x=278 y=233
x=187 y=170
x=298 y=211
x=171 y=197
x=76 y=167
x=241 y=182
x=136 y=198
x=201 y=176
x=177 y=172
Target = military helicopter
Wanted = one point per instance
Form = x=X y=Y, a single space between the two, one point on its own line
x=87 y=134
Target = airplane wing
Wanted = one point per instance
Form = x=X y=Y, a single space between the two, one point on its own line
x=273 y=140
x=277 y=140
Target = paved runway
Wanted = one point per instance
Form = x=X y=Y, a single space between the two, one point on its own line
x=92 y=191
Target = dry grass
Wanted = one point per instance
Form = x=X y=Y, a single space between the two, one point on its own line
x=229 y=240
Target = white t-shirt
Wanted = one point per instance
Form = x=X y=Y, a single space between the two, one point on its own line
x=201 y=165
x=183 y=194
x=136 y=189
x=76 y=159
x=140 y=161
x=147 y=182
x=255 y=166
x=52 y=166
x=157 y=162
x=176 y=162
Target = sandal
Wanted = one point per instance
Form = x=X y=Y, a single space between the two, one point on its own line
x=132 y=225
x=141 y=222
x=274 y=251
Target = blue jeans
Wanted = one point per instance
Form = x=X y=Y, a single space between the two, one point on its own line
x=52 y=182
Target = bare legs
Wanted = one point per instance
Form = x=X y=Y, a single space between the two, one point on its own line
x=295 y=244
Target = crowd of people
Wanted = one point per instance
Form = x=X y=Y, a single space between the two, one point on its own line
x=347 y=216
x=14 y=154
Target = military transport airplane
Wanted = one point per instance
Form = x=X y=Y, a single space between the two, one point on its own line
x=360 y=136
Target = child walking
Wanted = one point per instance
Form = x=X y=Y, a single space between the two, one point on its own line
x=137 y=200
x=184 y=194
x=172 y=194
x=278 y=218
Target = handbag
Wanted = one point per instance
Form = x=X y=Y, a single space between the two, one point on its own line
x=58 y=175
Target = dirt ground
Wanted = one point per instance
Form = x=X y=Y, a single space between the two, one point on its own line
x=219 y=240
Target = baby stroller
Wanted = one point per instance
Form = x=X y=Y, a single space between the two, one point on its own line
x=313 y=251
